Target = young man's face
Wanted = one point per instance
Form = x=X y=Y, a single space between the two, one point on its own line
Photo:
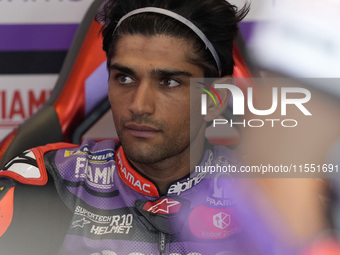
x=149 y=91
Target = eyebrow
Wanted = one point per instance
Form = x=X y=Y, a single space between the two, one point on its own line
x=169 y=73
x=153 y=72
x=122 y=69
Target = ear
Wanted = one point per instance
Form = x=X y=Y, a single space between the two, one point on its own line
x=215 y=110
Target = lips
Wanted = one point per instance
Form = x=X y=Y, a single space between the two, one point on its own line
x=142 y=131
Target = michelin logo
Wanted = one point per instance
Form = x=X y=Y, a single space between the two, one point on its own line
x=103 y=156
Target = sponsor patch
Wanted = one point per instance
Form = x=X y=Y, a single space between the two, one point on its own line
x=98 y=176
x=29 y=167
x=166 y=215
x=222 y=191
x=162 y=206
x=211 y=223
x=179 y=187
x=80 y=223
x=98 y=157
x=24 y=168
x=98 y=224
x=133 y=179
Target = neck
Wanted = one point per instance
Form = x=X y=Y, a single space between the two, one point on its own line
x=165 y=172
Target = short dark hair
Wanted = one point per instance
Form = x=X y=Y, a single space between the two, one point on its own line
x=217 y=19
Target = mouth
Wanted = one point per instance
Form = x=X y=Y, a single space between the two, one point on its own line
x=141 y=131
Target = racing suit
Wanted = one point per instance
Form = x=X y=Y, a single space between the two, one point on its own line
x=90 y=200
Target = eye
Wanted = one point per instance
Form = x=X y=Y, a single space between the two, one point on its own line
x=123 y=79
x=170 y=83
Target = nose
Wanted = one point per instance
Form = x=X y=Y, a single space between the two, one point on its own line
x=142 y=101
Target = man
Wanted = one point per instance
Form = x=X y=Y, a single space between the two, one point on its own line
x=138 y=196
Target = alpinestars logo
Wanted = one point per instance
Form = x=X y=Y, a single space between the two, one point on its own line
x=24 y=165
x=27 y=157
x=180 y=187
x=163 y=206
x=80 y=223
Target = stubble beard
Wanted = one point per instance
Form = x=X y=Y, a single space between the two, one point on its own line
x=143 y=151
x=155 y=153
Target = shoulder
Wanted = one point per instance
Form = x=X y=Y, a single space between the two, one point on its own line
x=226 y=156
x=91 y=164
x=88 y=153
x=29 y=166
x=34 y=167
x=23 y=188
x=89 y=148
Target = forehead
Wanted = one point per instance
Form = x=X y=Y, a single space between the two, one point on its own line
x=159 y=51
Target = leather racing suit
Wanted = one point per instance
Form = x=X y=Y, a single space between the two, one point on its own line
x=89 y=200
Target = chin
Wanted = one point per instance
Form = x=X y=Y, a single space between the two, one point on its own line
x=143 y=158
x=141 y=154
